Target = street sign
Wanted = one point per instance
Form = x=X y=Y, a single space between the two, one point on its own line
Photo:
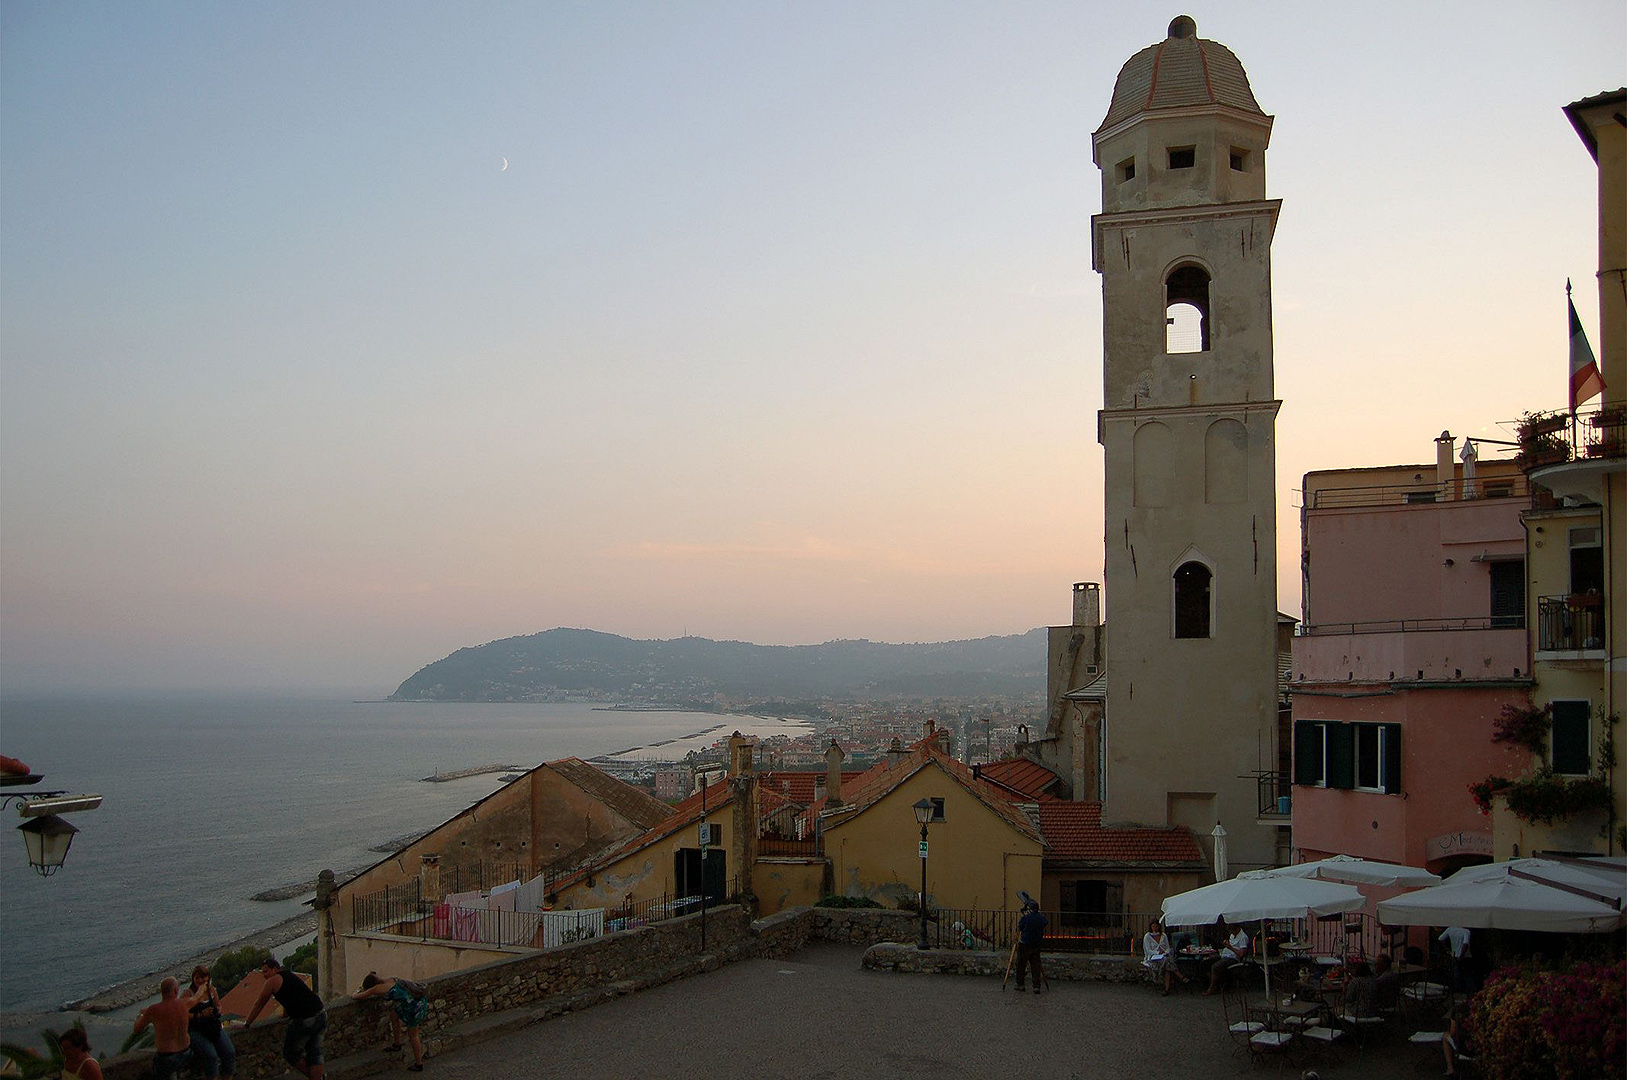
x=923 y=849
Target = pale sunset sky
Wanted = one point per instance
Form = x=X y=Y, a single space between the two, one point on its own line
x=779 y=325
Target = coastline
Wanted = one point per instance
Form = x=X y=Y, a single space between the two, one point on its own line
x=142 y=987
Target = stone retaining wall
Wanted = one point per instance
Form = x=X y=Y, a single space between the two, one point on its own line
x=541 y=984
x=1065 y=966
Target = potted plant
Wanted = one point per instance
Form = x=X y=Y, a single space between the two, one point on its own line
x=1542 y=440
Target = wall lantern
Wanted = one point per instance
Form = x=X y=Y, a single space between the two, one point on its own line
x=47 y=839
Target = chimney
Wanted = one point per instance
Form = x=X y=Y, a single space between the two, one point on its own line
x=1470 y=455
x=1087 y=603
x=833 y=774
x=429 y=877
x=740 y=755
x=1445 y=471
x=930 y=728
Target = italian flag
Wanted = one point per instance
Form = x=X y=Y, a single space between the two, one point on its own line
x=1586 y=382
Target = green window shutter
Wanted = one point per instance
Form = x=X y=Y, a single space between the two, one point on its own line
x=1307 y=752
x=1392 y=759
x=1341 y=755
x=1570 y=737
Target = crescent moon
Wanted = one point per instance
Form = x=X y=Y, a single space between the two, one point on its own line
x=505 y=165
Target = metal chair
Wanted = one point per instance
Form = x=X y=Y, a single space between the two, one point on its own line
x=1239 y=1024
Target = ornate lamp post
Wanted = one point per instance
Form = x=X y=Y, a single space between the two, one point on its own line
x=923 y=814
x=46 y=835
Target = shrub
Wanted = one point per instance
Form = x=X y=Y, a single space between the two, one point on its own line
x=835 y=901
x=1525 y=726
x=1543 y=798
x=1569 y=1024
x=303 y=960
x=229 y=970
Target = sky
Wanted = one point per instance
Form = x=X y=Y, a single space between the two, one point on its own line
x=779 y=326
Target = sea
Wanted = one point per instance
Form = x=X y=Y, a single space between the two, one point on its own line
x=211 y=798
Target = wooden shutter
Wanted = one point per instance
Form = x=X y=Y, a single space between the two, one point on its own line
x=1341 y=755
x=1392 y=759
x=1307 y=752
x=1507 y=595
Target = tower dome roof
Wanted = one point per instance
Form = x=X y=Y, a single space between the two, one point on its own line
x=1182 y=70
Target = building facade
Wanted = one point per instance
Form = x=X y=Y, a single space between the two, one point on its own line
x=1413 y=644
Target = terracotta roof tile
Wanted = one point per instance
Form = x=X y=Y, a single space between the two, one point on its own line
x=1074 y=832
x=799 y=786
x=644 y=811
x=1022 y=777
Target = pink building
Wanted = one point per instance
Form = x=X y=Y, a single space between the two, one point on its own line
x=1413 y=642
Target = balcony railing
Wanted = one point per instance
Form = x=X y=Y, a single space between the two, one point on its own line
x=1458 y=489
x=1273 y=790
x=1555 y=438
x=1396 y=626
x=1570 y=623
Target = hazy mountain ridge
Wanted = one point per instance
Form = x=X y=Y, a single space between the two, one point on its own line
x=588 y=663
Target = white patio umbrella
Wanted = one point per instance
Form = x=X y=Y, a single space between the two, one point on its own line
x=1355 y=871
x=1219 y=834
x=1256 y=899
x=1522 y=894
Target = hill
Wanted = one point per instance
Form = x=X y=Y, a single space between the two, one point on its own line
x=588 y=664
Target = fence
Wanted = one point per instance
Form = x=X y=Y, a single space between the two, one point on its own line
x=1570 y=623
x=1109 y=933
x=403 y=911
x=772 y=847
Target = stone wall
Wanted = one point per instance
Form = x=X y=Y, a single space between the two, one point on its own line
x=494 y=998
x=1064 y=966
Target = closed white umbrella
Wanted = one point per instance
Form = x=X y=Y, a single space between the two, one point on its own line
x=1256 y=899
x=1523 y=894
x=1356 y=871
x=1220 y=851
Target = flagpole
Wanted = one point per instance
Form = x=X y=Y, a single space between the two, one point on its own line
x=1570 y=391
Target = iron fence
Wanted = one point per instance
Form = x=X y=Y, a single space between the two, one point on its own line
x=785 y=848
x=1570 y=623
x=1108 y=933
x=403 y=911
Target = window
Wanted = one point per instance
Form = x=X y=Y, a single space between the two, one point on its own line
x=1192 y=596
x=1186 y=310
x=1587 y=561
x=1508 y=595
x=1239 y=159
x=1499 y=489
x=1127 y=170
x=1090 y=903
x=1360 y=757
x=1570 y=737
x=1183 y=157
x=1420 y=496
x=937 y=809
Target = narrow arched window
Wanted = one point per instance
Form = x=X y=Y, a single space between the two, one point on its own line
x=1192 y=581
x=1186 y=310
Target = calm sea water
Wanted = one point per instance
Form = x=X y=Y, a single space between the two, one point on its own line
x=210 y=799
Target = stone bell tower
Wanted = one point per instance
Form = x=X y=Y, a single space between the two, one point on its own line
x=1183 y=244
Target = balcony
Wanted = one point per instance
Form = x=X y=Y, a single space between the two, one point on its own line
x=1570 y=625
x=1471 y=649
x=1571 y=456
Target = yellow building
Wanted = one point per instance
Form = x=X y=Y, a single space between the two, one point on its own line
x=1576 y=533
x=982 y=847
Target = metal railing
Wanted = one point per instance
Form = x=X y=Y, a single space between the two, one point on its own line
x=402 y=911
x=1110 y=933
x=1600 y=434
x=785 y=847
x=1570 y=623
x=1426 y=492
x=1409 y=626
x=1272 y=790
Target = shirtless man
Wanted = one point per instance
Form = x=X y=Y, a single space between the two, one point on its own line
x=171 y=1041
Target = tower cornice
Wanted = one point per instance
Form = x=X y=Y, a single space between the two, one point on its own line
x=1161 y=412
x=1177 y=215
x=1153 y=116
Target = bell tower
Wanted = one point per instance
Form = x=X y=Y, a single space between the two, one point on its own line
x=1188 y=427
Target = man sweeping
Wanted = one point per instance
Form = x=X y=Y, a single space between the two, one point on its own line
x=1030 y=936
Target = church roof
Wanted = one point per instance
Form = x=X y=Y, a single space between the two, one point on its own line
x=1180 y=71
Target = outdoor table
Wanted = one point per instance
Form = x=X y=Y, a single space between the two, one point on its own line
x=1197 y=959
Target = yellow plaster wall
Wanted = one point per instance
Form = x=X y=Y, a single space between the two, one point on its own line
x=646 y=874
x=410 y=958
x=976 y=859
x=783 y=883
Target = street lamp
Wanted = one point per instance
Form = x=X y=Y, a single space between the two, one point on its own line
x=47 y=839
x=923 y=814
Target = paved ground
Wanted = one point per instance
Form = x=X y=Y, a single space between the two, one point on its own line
x=820 y=1016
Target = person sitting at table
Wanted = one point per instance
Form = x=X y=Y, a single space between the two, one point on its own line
x=1158 y=956
x=1237 y=949
x=1386 y=984
x=1361 y=991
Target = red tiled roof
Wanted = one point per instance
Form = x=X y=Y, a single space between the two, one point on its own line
x=930 y=752
x=642 y=810
x=799 y=786
x=1023 y=778
x=1074 y=832
x=686 y=813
